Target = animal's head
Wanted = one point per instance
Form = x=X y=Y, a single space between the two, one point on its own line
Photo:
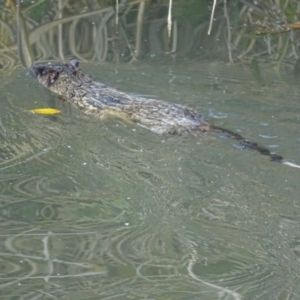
x=63 y=79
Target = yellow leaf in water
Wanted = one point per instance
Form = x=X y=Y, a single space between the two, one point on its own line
x=45 y=111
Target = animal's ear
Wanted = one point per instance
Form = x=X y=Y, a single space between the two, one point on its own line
x=74 y=62
x=53 y=75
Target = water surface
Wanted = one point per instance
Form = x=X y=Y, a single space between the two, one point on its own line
x=108 y=210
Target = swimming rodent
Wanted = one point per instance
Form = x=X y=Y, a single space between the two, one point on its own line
x=68 y=82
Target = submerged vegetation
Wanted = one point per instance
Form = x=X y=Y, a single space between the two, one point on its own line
x=128 y=31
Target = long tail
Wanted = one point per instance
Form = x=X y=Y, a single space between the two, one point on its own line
x=254 y=146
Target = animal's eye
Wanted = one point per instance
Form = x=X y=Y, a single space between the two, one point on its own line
x=53 y=75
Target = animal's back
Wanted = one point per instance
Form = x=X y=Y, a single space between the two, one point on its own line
x=69 y=82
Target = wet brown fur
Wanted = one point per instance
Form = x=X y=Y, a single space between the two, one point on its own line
x=70 y=83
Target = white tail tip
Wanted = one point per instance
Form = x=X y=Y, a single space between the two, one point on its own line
x=291 y=164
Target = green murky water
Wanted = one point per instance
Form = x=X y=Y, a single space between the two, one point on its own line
x=93 y=210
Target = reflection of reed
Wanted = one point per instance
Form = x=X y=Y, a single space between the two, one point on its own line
x=20 y=146
x=34 y=262
x=97 y=32
x=106 y=261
